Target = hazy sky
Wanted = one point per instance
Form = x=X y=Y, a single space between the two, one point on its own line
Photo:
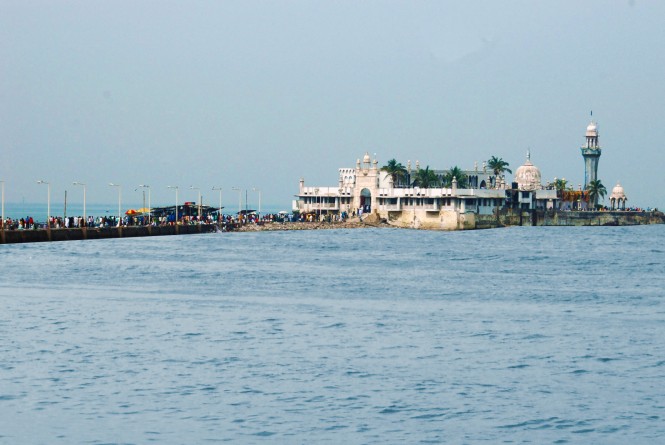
x=260 y=93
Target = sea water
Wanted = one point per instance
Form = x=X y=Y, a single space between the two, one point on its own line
x=372 y=336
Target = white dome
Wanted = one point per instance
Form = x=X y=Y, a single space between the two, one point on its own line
x=617 y=192
x=366 y=158
x=592 y=129
x=528 y=176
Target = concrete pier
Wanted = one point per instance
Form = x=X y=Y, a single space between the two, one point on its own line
x=43 y=235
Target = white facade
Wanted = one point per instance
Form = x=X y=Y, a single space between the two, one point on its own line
x=366 y=189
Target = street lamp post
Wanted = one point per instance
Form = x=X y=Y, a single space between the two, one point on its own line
x=119 y=201
x=237 y=189
x=2 y=223
x=316 y=202
x=219 y=214
x=149 y=204
x=48 y=203
x=85 y=218
x=258 y=190
x=197 y=202
x=417 y=192
x=176 y=201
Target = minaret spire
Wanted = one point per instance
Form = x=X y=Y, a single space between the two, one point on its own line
x=591 y=152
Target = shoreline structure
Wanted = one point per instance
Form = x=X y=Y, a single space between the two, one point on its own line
x=457 y=199
x=390 y=196
x=552 y=218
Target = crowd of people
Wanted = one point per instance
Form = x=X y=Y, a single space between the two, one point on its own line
x=75 y=222
x=571 y=207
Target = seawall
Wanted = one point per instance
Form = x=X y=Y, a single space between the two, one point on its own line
x=44 y=235
x=453 y=220
x=582 y=218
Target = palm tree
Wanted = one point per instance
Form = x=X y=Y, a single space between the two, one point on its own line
x=396 y=171
x=426 y=178
x=498 y=166
x=560 y=185
x=457 y=173
x=595 y=189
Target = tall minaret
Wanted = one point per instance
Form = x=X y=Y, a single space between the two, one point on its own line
x=591 y=153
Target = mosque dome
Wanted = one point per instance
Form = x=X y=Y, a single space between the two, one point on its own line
x=617 y=192
x=528 y=175
x=366 y=158
x=592 y=129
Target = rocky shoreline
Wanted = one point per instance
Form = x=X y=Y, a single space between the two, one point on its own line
x=278 y=226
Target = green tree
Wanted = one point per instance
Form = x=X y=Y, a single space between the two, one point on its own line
x=457 y=173
x=498 y=166
x=595 y=189
x=396 y=171
x=426 y=178
x=560 y=185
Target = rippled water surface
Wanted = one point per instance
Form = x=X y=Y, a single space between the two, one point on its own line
x=521 y=335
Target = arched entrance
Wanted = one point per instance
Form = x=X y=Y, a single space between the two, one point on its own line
x=366 y=200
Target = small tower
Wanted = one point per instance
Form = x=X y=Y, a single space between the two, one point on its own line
x=591 y=153
x=366 y=186
x=618 y=198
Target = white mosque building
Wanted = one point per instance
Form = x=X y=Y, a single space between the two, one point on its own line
x=368 y=190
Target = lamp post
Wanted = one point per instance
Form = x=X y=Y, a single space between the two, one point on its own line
x=149 y=205
x=85 y=218
x=176 y=201
x=197 y=202
x=48 y=203
x=237 y=189
x=316 y=200
x=119 y=201
x=219 y=214
x=258 y=190
x=2 y=223
x=416 y=190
